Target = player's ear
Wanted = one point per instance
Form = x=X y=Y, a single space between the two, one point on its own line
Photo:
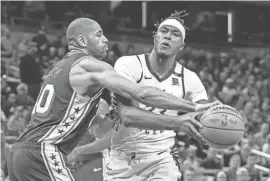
x=82 y=41
x=154 y=37
x=182 y=47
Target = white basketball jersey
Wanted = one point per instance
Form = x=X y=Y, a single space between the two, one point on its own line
x=105 y=161
x=137 y=69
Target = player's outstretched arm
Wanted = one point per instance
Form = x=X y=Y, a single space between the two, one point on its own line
x=95 y=147
x=93 y=72
x=102 y=124
x=135 y=117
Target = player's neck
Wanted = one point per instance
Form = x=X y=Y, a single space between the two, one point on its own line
x=161 y=65
x=76 y=49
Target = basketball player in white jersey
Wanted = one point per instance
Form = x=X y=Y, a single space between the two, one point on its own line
x=144 y=154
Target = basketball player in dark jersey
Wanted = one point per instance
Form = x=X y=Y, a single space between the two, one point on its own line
x=67 y=104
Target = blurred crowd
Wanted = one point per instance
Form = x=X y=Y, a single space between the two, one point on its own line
x=232 y=77
x=241 y=81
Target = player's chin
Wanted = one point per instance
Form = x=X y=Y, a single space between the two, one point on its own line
x=104 y=54
x=164 y=53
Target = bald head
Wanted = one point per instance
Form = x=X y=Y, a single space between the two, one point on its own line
x=86 y=35
x=80 y=26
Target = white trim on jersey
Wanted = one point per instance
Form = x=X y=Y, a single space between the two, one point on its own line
x=55 y=163
x=65 y=117
x=105 y=162
x=71 y=120
x=77 y=121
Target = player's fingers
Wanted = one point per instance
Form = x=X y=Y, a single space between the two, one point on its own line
x=197 y=115
x=196 y=134
x=196 y=123
x=215 y=103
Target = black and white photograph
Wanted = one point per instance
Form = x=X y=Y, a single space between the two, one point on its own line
x=124 y=90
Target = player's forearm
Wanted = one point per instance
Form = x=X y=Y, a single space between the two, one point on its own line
x=139 y=118
x=95 y=147
x=155 y=97
x=147 y=95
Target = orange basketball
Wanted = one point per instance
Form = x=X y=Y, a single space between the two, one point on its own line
x=223 y=126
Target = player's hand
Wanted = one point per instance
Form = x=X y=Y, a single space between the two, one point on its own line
x=190 y=125
x=204 y=107
x=73 y=155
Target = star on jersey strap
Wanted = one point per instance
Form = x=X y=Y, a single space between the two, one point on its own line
x=67 y=124
x=77 y=110
x=56 y=163
x=59 y=170
x=61 y=131
x=53 y=157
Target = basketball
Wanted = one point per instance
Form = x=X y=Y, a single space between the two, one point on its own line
x=223 y=126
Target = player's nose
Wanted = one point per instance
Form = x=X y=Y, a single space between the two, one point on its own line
x=105 y=40
x=167 y=36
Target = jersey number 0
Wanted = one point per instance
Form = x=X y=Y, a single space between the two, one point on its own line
x=44 y=100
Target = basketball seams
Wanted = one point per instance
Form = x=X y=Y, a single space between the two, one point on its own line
x=224 y=113
x=224 y=128
x=226 y=135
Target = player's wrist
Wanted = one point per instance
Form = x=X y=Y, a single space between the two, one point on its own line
x=78 y=151
x=193 y=107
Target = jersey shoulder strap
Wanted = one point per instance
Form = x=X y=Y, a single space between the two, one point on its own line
x=141 y=69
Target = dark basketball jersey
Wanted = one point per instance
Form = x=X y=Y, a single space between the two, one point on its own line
x=61 y=116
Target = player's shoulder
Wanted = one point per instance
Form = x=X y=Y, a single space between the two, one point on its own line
x=90 y=64
x=129 y=60
x=181 y=69
x=86 y=60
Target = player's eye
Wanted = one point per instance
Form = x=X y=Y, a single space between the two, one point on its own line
x=163 y=30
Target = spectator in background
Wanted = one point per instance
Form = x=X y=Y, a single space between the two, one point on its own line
x=242 y=174
x=130 y=50
x=111 y=57
x=265 y=107
x=211 y=161
x=9 y=105
x=191 y=160
x=30 y=71
x=18 y=121
x=22 y=97
x=244 y=152
x=228 y=92
x=42 y=43
x=52 y=52
x=116 y=50
x=221 y=176
x=266 y=149
x=234 y=164
x=260 y=137
x=266 y=145
x=22 y=46
x=6 y=44
x=5 y=91
x=61 y=52
x=58 y=42
x=189 y=174
x=253 y=172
